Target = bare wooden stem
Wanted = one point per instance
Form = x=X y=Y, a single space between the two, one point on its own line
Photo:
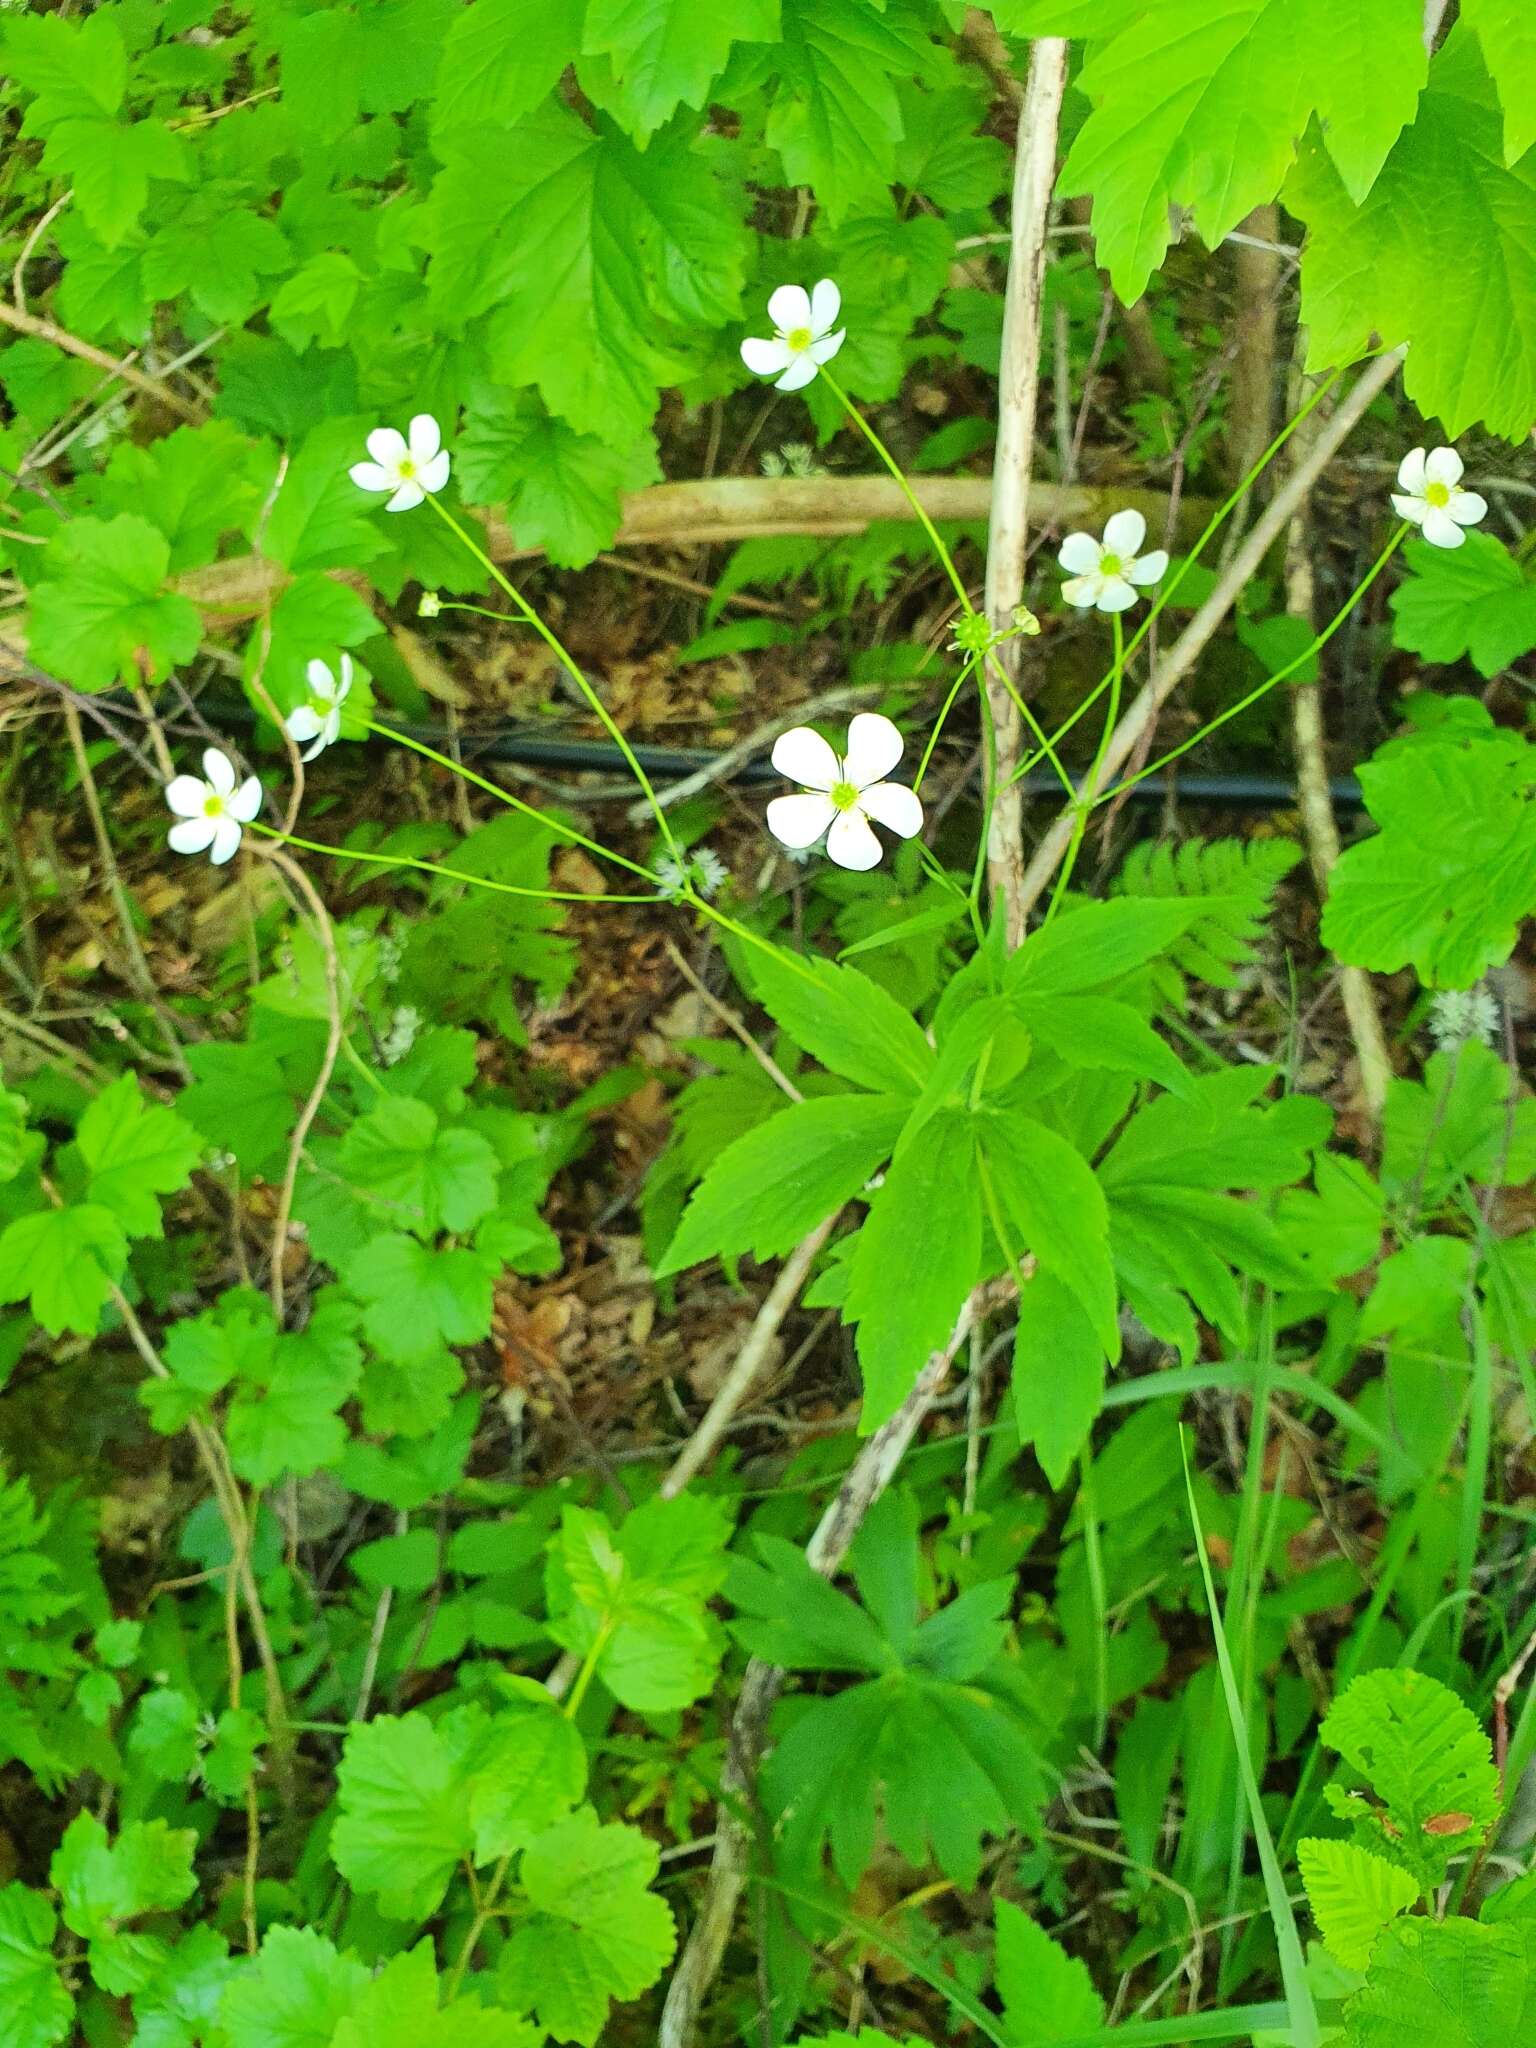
x=1033 y=181
x=47 y=330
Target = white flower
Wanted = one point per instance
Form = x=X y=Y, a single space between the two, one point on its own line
x=408 y=464
x=701 y=870
x=320 y=719
x=803 y=339
x=1457 y=1015
x=1432 y=498
x=1105 y=574
x=843 y=794
x=212 y=811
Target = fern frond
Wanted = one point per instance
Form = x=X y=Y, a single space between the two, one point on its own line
x=1236 y=878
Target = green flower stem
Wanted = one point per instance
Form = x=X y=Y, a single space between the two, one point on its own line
x=572 y=668
x=1085 y=804
x=516 y=803
x=1270 y=682
x=1165 y=596
x=428 y=867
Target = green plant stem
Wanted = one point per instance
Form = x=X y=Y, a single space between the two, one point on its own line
x=1085 y=806
x=1093 y=1558
x=516 y=803
x=571 y=666
x=1270 y=682
x=428 y=867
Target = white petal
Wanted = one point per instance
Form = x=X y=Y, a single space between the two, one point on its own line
x=765 y=358
x=1124 y=533
x=192 y=835
x=1116 y=595
x=434 y=474
x=387 y=446
x=423 y=437
x=893 y=805
x=344 y=682
x=1083 y=591
x=186 y=795
x=1411 y=472
x=1079 y=554
x=1411 y=509
x=824 y=350
x=410 y=493
x=826 y=304
x=1148 y=569
x=320 y=679
x=1444 y=466
x=801 y=370
x=226 y=840
x=246 y=801
x=790 y=307
x=303 y=722
x=322 y=740
x=369 y=476
x=851 y=843
x=799 y=821
x=1440 y=529
x=875 y=746
x=805 y=757
x=1467 y=508
x=219 y=769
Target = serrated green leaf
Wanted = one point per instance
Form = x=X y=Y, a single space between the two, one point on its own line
x=1506 y=30
x=845 y=1020
x=39 y=2012
x=1473 y=601
x=103 y=1883
x=1055 y=1208
x=1058 y=1374
x=136 y=1152
x=1353 y=1896
x=66 y=1262
x=776 y=1183
x=295 y=1994
x=1446 y=225
x=101 y=614
x=315 y=303
x=500 y=58
x=532 y=1772
x=196 y=485
x=667 y=53
x=1449 y=902
x=70 y=67
x=216 y=251
x=417 y=1300
x=596 y=1933
x=836 y=114
x=110 y=164
x=1047 y=1995
x=403 y=1791
x=1445 y=1984
x=426 y=1178
x=400 y=2008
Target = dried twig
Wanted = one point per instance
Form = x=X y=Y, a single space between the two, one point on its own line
x=723 y=766
x=1191 y=643
x=48 y=330
x=867 y=1479
x=1034 y=178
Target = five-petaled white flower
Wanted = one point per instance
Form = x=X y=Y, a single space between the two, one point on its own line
x=803 y=338
x=1106 y=574
x=1432 y=498
x=319 y=719
x=408 y=464
x=211 y=812
x=845 y=794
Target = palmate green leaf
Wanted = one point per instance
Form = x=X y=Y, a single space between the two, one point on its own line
x=180 y=2008
x=39 y=2012
x=1199 y=105
x=103 y=1883
x=1047 y=1995
x=667 y=53
x=1446 y=1984
x=1353 y=1896
x=110 y=164
x=70 y=67
x=1058 y=1374
x=1466 y=1120
x=285 y=1419
x=315 y=304
x=1473 y=602
x=836 y=116
x=776 y=1183
x=1054 y=1207
x=531 y=1772
x=925 y=1224
x=562 y=490
x=788 y=1614
x=320 y=519
x=295 y=1994
x=403 y=1789
x=136 y=1152
x=101 y=614
x=195 y=485
x=843 y=1019
x=1447 y=225
x=1448 y=902
x=424 y=1177
x=499 y=60
x=416 y=1300
x=403 y=2007
x=596 y=1932
x=1506 y=31
x=65 y=1261
x=217 y=251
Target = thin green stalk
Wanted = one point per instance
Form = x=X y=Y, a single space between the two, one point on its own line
x=1085 y=805
x=1302 y=2013
x=428 y=867
x=1474 y=1478
x=571 y=666
x=1098 y=1594
x=516 y=803
x=1270 y=682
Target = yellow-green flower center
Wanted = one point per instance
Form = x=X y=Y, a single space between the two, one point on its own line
x=1111 y=565
x=1437 y=494
x=844 y=794
x=405 y=467
x=799 y=339
x=213 y=805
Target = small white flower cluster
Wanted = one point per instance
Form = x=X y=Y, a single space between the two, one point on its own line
x=1459 y=1015
x=404 y=1026
x=702 y=870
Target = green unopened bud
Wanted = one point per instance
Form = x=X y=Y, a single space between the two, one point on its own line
x=974 y=634
x=1025 y=622
x=431 y=604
